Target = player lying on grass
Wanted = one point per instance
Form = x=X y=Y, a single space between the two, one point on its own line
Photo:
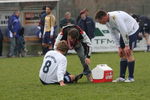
x=53 y=69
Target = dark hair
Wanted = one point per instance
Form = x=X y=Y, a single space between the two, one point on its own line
x=136 y=17
x=62 y=46
x=49 y=7
x=74 y=33
x=44 y=8
x=100 y=14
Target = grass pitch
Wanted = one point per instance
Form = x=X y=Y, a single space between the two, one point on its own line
x=19 y=80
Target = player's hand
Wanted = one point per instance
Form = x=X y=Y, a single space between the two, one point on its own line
x=87 y=60
x=127 y=51
x=62 y=83
x=121 y=52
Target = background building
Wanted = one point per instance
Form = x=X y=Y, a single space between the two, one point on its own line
x=131 y=6
x=30 y=11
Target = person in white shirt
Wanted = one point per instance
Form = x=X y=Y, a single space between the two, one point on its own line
x=124 y=29
x=53 y=69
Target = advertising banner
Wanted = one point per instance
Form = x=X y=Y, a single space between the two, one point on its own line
x=103 y=42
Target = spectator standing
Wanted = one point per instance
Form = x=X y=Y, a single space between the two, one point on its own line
x=66 y=20
x=87 y=24
x=79 y=17
x=14 y=28
x=21 y=44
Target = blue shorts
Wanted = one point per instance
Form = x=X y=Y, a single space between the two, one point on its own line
x=46 y=39
x=144 y=30
x=132 y=40
x=67 y=79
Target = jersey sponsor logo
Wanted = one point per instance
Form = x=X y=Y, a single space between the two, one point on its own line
x=51 y=58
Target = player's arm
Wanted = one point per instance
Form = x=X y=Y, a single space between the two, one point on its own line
x=123 y=30
x=58 y=39
x=52 y=23
x=88 y=47
x=124 y=34
x=61 y=71
x=61 y=83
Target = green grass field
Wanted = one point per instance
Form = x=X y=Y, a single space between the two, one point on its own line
x=19 y=80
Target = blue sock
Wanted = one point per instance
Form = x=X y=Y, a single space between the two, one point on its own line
x=123 y=67
x=131 y=69
x=148 y=47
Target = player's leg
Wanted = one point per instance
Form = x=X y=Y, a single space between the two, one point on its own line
x=131 y=67
x=45 y=42
x=147 y=38
x=123 y=62
x=69 y=78
x=130 y=58
x=74 y=78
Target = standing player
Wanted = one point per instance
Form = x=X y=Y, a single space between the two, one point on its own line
x=53 y=69
x=144 y=23
x=75 y=38
x=48 y=36
x=124 y=29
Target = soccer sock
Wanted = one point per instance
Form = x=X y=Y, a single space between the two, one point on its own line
x=148 y=47
x=67 y=73
x=131 y=69
x=123 y=67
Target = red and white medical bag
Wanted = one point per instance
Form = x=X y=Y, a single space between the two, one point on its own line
x=102 y=73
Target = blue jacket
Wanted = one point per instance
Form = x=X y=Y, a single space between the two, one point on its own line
x=88 y=25
x=64 y=22
x=14 y=25
x=42 y=21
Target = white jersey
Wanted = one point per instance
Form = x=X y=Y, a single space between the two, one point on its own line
x=121 y=23
x=53 y=67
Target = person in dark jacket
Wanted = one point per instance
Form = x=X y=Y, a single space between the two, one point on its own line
x=21 y=44
x=14 y=28
x=87 y=24
x=1 y=42
x=42 y=19
x=75 y=37
x=41 y=27
x=66 y=20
